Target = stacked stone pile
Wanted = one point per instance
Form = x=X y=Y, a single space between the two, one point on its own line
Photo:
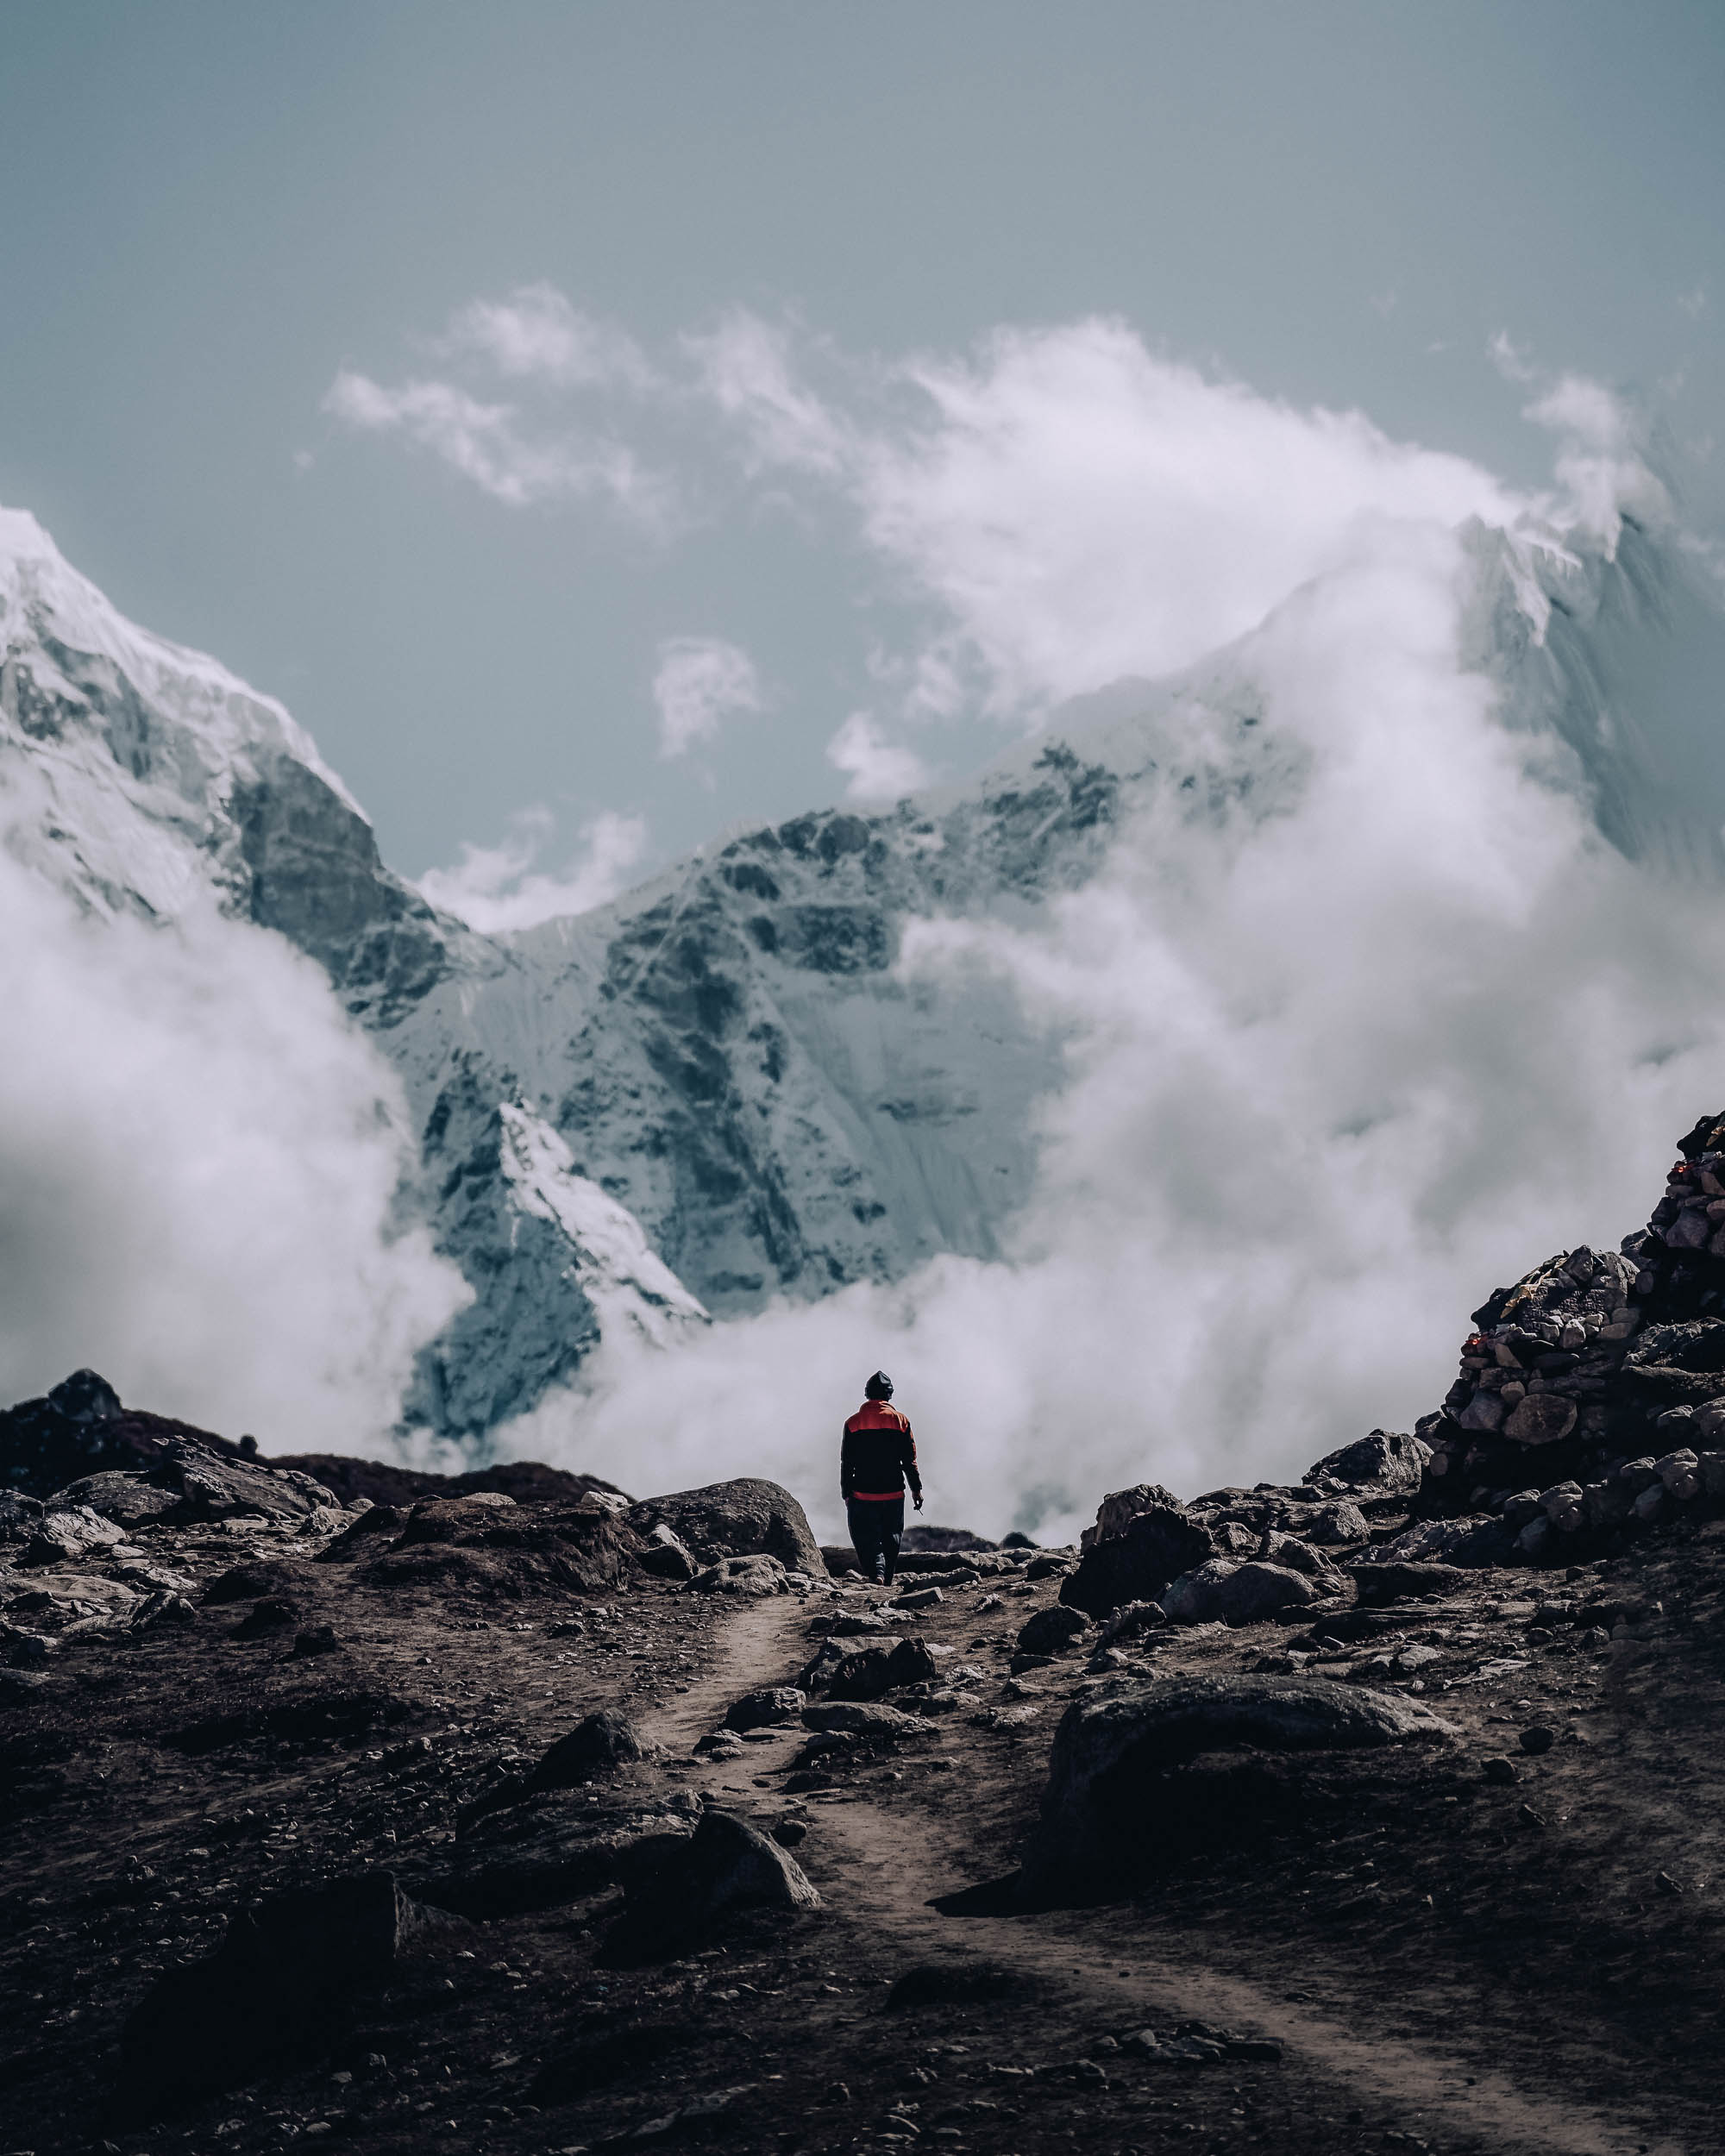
x=1590 y=1400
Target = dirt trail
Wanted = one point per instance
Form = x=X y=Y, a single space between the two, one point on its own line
x=885 y=1870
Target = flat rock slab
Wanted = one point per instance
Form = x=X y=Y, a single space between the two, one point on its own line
x=743 y=1575
x=865 y=1718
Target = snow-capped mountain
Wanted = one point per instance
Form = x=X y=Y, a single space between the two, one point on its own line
x=722 y=1088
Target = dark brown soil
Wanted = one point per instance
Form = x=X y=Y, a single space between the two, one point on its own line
x=1446 y=1962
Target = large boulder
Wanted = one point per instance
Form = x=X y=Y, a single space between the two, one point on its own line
x=1156 y=1546
x=1110 y=1756
x=455 y=1519
x=873 y=1670
x=746 y=1518
x=1222 y=1592
x=1386 y=1464
x=1121 y=1507
x=484 y=1544
x=283 y=1979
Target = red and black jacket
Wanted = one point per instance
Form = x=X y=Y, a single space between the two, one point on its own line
x=878 y=1455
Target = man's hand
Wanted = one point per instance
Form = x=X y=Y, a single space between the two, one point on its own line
x=917 y=1503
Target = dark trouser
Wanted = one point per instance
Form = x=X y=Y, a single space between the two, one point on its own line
x=874 y=1532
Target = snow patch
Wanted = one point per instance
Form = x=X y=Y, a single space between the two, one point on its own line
x=632 y=1289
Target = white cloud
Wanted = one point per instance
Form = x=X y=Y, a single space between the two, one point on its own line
x=878 y=769
x=1600 y=463
x=1345 y=1048
x=1085 y=511
x=1693 y=303
x=200 y=1160
x=536 y=334
x=493 y=888
x=747 y=369
x=1513 y=361
x=486 y=443
x=699 y=682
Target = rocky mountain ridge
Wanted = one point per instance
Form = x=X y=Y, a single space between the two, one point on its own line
x=721 y=1088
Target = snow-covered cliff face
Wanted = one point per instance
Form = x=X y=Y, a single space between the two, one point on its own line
x=725 y=1088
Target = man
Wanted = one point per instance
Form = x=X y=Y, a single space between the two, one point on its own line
x=876 y=1460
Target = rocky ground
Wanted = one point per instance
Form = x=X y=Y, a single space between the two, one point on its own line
x=508 y=1814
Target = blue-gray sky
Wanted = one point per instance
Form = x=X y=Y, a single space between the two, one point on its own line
x=212 y=214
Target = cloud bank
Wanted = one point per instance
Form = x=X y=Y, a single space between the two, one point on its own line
x=199 y=1160
x=1352 y=1035
x=1360 y=1025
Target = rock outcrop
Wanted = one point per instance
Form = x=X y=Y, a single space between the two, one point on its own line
x=1589 y=1405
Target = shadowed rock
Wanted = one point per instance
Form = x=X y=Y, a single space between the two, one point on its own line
x=542 y=1853
x=677 y=1891
x=1121 y=1507
x=601 y=1744
x=667 y=1555
x=1052 y=1631
x=283 y=1980
x=1109 y=1755
x=1394 y=1581
x=872 y=1671
x=1156 y=1546
x=598 y=1746
x=374 y=1527
x=1223 y=1593
x=21 y=1517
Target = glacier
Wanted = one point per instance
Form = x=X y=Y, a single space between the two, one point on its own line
x=729 y=1092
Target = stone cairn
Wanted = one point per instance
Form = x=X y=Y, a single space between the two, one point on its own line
x=1590 y=1400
